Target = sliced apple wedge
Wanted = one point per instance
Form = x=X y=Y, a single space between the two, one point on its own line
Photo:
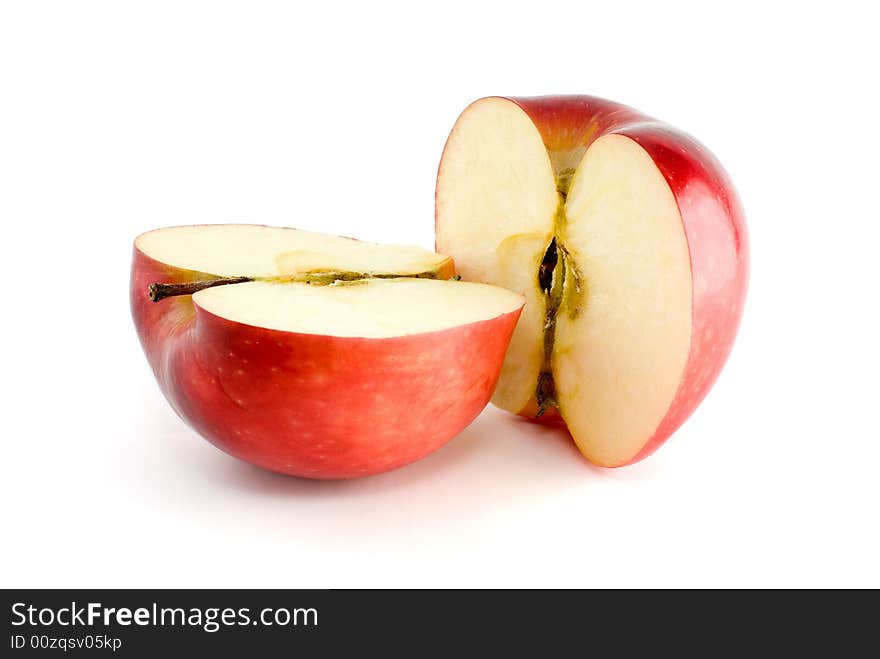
x=496 y=200
x=315 y=355
x=627 y=240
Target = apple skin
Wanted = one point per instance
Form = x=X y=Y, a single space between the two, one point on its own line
x=712 y=219
x=314 y=406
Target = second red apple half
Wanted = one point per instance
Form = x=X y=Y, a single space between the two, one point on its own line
x=626 y=238
x=316 y=355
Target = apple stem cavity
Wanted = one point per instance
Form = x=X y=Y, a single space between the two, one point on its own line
x=563 y=182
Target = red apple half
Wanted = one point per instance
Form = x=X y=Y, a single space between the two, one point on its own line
x=316 y=355
x=628 y=241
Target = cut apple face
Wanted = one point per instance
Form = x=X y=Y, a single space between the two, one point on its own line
x=315 y=355
x=236 y=250
x=623 y=330
x=496 y=204
x=370 y=308
x=593 y=239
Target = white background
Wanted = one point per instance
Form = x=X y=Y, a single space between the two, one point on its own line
x=120 y=117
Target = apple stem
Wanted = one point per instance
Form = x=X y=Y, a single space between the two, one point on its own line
x=160 y=291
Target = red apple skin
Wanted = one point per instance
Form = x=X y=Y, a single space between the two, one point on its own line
x=712 y=219
x=314 y=406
